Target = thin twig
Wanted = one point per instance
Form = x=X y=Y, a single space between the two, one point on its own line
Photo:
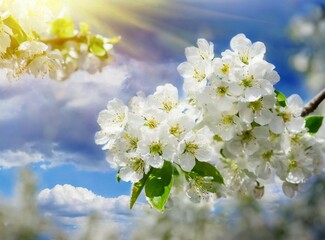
x=59 y=41
x=313 y=104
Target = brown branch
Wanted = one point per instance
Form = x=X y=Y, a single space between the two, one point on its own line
x=313 y=104
x=60 y=41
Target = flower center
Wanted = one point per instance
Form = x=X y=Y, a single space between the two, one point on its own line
x=191 y=147
x=199 y=76
x=151 y=123
x=286 y=116
x=155 y=148
x=267 y=155
x=167 y=106
x=228 y=120
x=132 y=141
x=222 y=90
x=225 y=69
x=244 y=57
x=247 y=82
x=137 y=164
x=175 y=130
x=256 y=106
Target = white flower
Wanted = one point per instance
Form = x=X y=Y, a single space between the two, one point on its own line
x=247 y=142
x=245 y=51
x=220 y=96
x=203 y=52
x=155 y=147
x=195 y=145
x=289 y=116
x=29 y=49
x=134 y=168
x=195 y=76
x=256 y=81
x=179 y=124
x=258 y=111
x=112 y=122
x=225 y=124
x=45 y=64
x=165 y=98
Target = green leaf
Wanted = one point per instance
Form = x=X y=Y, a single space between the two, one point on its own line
x=83 y=29
x=137 y=188
x=63 y=28
x=205 y=169
x=118 y=179
x=281 y=98
x=158 y=186
x=19 y=34
x=313 y=123
x=96 y=46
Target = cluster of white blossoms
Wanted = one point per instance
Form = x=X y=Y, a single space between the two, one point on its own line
x=231 y=118
x=37 y=37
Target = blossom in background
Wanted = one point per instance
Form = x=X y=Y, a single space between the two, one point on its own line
x=38 y=37
x=309 y=31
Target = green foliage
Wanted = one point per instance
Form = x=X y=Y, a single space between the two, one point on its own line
x=118 y=178
x=96 y=46
x=83 y=29
x=157 y=183
x=313 y=123
x=19 y=34
x=281 y=98
x=158 y=186
x=63 y=28
x=205 y=169
x=137 y=189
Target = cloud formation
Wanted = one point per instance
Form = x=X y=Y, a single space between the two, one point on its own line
x=70 y=206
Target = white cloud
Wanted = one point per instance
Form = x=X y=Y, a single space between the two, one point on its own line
x=9 y=158
x=71 y=206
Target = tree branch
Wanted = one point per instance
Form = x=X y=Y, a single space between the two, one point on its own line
x=313 y=104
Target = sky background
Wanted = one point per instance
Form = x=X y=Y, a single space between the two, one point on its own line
x=50 y=126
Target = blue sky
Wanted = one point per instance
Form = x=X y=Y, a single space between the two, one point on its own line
x=50 y=126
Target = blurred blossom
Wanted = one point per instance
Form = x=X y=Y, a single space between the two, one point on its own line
x=245 y=218
x=309 y=32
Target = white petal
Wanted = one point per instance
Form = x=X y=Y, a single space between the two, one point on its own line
x=246 y=114
x=296 y=125
x=295 y=104
x=224 y=104
x=251 y=147
x=155 y=161
x=258 y=49
x=288 y=189
x=191 y=54
x=252 y=94
x=187 y=161
x=186 y=70
x=203 y=154
x=277 y=125
x=240 y=43
x=264 y=117
x=263 y=170
x=101 y=137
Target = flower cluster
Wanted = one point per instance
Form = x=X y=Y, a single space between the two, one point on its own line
x=37 y=37
x=231 y=119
